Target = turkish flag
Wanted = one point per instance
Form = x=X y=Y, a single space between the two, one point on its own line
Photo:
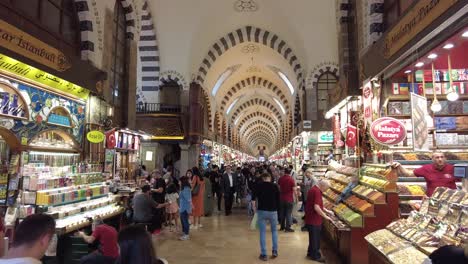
x=351 y=136
x=110 y=139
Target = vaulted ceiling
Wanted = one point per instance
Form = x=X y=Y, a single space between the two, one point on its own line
x=251 y=57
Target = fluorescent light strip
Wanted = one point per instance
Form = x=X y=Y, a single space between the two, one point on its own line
x=220 y=81
x=280 y=105
x=286 y=80
x=231 y=106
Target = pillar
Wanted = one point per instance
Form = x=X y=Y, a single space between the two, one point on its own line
x=196 y=114
x=184 y=158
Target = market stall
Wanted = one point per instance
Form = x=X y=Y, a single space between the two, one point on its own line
x=442 y=220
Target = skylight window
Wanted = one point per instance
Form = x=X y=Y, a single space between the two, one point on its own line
x=280 y=105
x=237 y=119
x=231 y=106
x=220 y=81
x=286 y=81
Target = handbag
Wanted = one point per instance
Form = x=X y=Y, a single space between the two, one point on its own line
x=196 y=189
x=254 y=222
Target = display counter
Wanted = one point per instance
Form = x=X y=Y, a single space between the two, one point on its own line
x=442 y=220
x=370 y=205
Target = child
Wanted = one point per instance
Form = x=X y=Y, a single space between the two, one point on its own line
x=185 y=204
x=173 y=208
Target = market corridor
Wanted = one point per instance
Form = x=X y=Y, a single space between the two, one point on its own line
x=228 y=240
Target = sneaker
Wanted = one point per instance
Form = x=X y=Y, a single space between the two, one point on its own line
x=320 y=260
x=200 y=226
x=289 y=230
x=194 y=227
x=281 y=229
x=263 y=257
x=274 y=254
x=184 y=238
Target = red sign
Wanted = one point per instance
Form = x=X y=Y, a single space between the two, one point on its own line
x=388 y=131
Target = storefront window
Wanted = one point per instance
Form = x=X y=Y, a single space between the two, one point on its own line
x=56 y=16
x=117 y=75
x=326 y=82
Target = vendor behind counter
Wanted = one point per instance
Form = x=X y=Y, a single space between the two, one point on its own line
x=437 y=174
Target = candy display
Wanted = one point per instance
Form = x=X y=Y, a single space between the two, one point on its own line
x=440 y=221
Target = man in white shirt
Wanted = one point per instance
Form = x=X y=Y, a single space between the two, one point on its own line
x=32 y=237
x=229 y=187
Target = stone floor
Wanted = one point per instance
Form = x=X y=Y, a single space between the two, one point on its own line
x=228 y=239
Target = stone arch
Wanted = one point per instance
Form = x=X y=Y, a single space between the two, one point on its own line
x=254 y=80
x=260 y=127
x=250 y=34
x=130 y=17
x=297 y=111
x=270 y=127
x=258 y=133
x=216 y=123
x=148 y=53
x=175 y=76
x=85 y=17
x=319 y=70
x=208 y=109
x=255 y=115
x=255 y=102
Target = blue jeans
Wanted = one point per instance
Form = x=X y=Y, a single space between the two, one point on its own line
x=272 y=217
x=184 y=217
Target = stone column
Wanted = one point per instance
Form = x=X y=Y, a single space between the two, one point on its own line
x=184 y=158
x=196 y=114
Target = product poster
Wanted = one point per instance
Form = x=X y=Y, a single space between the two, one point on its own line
x=109 y=161
x=418 y=118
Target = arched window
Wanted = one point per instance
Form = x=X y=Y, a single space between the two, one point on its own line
x=118 y=71
x=326 y=82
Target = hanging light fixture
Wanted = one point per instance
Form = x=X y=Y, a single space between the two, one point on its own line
x=435 y=106
x=452 y=94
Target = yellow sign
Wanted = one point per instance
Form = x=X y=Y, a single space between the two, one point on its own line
x=95 y=136
x=415 y=21
x=20 y=42
x=24 y=141
x=18 y=68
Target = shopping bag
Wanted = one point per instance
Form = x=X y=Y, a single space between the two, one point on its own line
x=254 y=222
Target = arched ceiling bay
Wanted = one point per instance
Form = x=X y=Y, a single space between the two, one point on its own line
x=206 y=40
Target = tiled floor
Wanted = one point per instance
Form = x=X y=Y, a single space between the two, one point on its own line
x=228 y=239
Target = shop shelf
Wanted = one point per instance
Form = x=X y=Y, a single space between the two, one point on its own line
x=410 y=197
x=411 y=179
x=368 y=199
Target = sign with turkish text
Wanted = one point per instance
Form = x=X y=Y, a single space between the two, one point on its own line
x=418 y=119
x=388 y=131
x=421 y=15
x=26 y=72
x=325 y=136
x=95 y=136
x=28 y=46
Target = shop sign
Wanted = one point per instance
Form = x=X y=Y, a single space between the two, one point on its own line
x=325 y=137
x=20 y=42
x=423 y=13
x=388 y=131
x=23 y=70
x=336 y=130
x=95 y=136
x=307 y=124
